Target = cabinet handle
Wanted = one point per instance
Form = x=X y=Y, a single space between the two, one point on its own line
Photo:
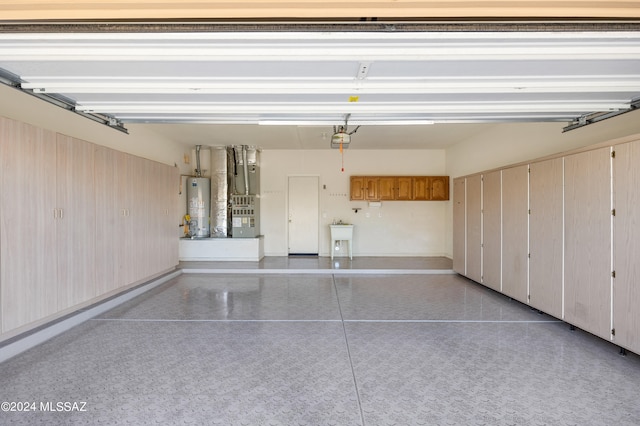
x=55 y=213
x=61 y=213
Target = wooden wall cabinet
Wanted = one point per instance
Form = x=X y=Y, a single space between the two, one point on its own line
x=363 y=188
x=404 y=188
x=421 y=188
x=399 y=188
x=439 y=188
x=386 y=188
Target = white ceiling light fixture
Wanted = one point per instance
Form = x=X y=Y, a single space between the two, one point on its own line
x=370 y=122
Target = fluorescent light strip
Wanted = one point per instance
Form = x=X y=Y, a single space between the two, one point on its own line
x=384 y=122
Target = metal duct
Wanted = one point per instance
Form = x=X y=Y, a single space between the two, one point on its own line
x=198 y=170
x=220 y=221
x=245 y=169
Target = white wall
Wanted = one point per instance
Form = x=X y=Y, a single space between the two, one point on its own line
x=511 y=143
x=398 y=228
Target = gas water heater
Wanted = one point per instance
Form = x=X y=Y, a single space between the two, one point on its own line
x=198 y=206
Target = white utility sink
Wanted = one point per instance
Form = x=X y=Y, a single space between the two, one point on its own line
x=341 y=233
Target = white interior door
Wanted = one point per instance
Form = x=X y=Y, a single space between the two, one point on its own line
x=303 y=214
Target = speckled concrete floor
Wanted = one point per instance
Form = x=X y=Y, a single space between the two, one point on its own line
x=291 y=349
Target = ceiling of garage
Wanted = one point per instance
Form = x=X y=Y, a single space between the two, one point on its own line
x=404 y=85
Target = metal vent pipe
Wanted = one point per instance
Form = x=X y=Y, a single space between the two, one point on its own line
x=245 y=169
x=198 y=171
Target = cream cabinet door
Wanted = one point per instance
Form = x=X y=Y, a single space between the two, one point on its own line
x=28 y=224
x=459 y=226
x=515 y=229
x=474 y=228
x=545 y=236
x=626 y=247
x=491 y=228
x=76 y=226
x=108 y=220
x=587 y=220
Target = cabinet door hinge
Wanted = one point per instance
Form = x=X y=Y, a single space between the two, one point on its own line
x=529 y=211
x=529 y=255
x=613 y=331
x=613 y=212
x=613 y=154
x=613 y=274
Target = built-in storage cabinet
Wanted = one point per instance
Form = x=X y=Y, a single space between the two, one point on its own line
x=28 y=216
x=421 y=188
x=404 y=188
x=474 y=227
x=491 y=237
x=459 y=226
x=137 y=208
x=77 y=222
x=399 y=188
x=110 y=232
x=566 y=234
x=386 y=188
x=546 y=235
x=364 y=188
x=161 y=211
x=515 y=211
x=439 y=186
x=357 y=188
x=626 y=237
x=587 y=218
